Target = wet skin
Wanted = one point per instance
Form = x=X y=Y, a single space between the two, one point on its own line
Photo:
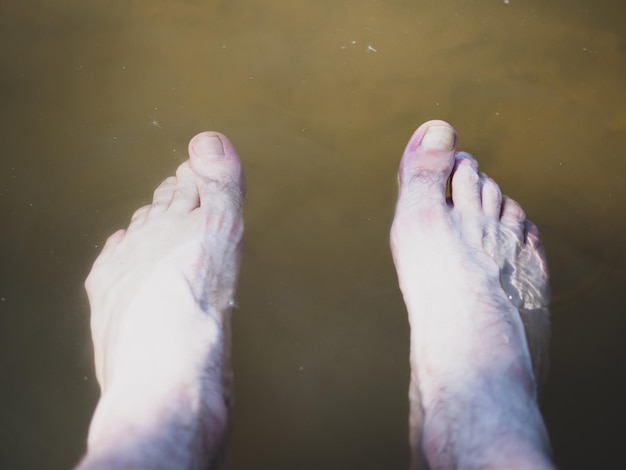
x=160 y=295
x=467 y=266
x=470 y=268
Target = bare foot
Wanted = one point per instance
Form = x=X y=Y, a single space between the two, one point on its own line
x=160 y=295
x=468 y=265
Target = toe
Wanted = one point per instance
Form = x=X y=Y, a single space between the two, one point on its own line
x=491 y=198
x=113 y=240
x=218 y=170
x=531 y=235
x=534 y=247
x=427 y=164
x=513 y=217
x=465 y=185
x=111 y=243
x=185 y=196
x=163 y=194
x=139 y=217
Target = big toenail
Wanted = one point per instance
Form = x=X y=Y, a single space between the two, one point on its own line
x=441 y=138
x=207 y=145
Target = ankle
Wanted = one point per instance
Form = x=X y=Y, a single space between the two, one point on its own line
x=130 y=432
x=489 y=422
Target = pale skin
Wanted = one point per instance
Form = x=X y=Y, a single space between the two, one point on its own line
x=162 y=290
x=473 y=389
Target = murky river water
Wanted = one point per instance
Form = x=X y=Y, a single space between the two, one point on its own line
x=100 y=98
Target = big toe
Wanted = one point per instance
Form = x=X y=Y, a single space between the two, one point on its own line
x=218 y=170
x=426 y=164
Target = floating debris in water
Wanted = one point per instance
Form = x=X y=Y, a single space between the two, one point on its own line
x=370 y=48
x=507 y=2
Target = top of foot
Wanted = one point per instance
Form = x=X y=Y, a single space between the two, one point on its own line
x=456 y=241
x=474 y=280
x=161 y=293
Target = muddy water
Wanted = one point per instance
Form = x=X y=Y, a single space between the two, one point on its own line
x=100 y=98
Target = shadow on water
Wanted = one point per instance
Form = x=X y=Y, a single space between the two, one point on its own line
x=100 y=99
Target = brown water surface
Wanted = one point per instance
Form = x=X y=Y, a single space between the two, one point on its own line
x=99 y=100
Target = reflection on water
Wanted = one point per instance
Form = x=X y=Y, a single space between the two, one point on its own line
x=100 y=99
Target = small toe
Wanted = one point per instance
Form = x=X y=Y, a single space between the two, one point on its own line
x=139 y=217
x=113 y=240
x=426 y=165
x=163 y=194
x=531 y=236
x=513 y=217
x=491 y=198
x=465 y=185
x=535 y=247
x=186 y=196
x=109 y=245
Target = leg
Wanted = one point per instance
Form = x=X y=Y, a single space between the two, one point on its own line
x=472 y=273
x=160 y=295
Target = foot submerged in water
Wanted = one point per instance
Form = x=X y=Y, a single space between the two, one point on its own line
x=160 y=295
x=471 y=270
x=469 y=266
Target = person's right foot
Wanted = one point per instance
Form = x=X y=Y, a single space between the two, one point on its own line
x=468 y=265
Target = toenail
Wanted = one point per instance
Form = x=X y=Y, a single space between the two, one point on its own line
x=439 y=138
x=464 y=156
x=207 y=145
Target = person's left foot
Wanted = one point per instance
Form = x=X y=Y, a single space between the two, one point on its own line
x=161 y=294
